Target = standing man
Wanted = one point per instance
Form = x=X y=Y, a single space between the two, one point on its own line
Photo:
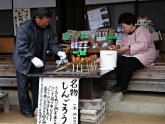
x=34 y=37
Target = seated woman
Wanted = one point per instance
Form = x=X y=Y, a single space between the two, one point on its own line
x=136 y=50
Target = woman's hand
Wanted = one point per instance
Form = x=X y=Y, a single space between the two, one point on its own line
x=114 y=47
x=123 y=49
x=120 y=50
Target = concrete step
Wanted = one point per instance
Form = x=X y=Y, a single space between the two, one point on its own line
x=133 y=102
x=142 y=103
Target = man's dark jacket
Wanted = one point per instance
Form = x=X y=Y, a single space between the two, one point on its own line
x=26 y=45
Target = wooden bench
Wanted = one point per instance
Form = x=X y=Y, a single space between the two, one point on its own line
x=147 y=79
x=5 y=101
x=7 y=74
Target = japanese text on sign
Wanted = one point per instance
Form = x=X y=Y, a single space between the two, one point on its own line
x=58 y=101
x=19 y=16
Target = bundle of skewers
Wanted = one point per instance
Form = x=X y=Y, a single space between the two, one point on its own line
x=79 y=62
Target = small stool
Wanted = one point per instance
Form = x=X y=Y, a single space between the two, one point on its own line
x=5 y=101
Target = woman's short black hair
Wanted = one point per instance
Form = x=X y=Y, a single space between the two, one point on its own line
x=43 y=12
x=127 y=18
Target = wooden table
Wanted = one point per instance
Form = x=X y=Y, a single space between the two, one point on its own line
x=87 y=80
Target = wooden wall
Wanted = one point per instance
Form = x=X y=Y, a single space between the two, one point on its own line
x=162 y=43
x=154 y=9
x=7 y=45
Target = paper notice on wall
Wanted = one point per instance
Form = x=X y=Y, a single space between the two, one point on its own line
x=98 y=18
x=58 y=101
x=19 y=16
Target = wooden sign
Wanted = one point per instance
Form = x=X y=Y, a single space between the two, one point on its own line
x=58 y=101
x=19 y=16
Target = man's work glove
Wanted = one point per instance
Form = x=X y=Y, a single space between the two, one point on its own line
x=62 y=55
x=37 y=62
